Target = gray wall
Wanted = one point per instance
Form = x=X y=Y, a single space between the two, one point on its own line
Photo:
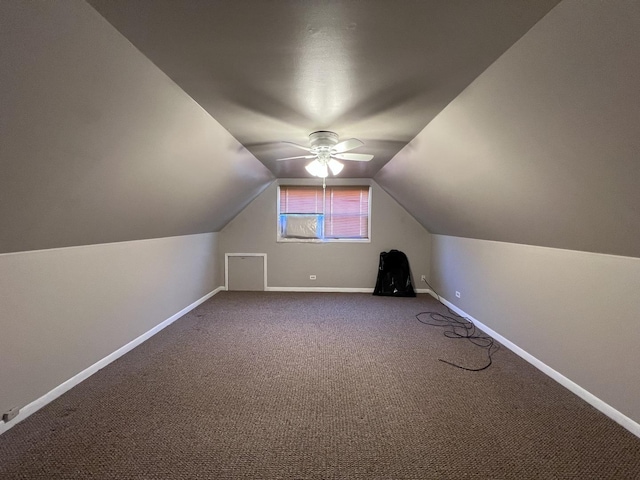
x=543 y=148
x=344 y=265
x=575 y=311
x=98 y=145
x=65 y=309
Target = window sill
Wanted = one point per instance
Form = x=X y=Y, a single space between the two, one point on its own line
x=319 y=240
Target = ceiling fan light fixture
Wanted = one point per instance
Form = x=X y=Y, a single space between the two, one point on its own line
x=317 y=169
x=335 y=166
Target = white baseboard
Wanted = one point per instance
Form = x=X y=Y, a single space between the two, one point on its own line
x=100 y=364
x=319 y=289
x=331 y=289
x=588 y=397
x=602 y=406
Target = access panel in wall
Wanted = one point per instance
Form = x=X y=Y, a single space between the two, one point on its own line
x=246 y=272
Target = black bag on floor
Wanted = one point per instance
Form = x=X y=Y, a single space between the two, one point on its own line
x=394 y=275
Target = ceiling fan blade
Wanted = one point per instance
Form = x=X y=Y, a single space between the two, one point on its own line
x=294 y=158
x=346 y=145
x=356 y=157
x=308 y=149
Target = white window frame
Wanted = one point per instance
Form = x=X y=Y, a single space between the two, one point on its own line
x=282 y=239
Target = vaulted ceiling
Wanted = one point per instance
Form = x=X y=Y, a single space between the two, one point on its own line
x=376 y=70
x=514 y=121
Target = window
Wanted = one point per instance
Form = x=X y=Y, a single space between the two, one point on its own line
x=316 y=214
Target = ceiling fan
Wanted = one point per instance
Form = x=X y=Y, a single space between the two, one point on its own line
x=326 y=151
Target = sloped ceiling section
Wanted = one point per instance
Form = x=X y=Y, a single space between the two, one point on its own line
x=544 y=147
x=377 y=70
x=98 y=145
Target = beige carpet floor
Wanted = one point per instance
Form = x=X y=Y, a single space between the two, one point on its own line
x=315 y=386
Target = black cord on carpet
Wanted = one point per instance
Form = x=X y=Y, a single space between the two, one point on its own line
x=459 y=328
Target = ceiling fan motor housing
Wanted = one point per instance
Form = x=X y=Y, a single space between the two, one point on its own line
x=322 y=140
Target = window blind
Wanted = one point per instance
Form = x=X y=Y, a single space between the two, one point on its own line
x=300 y=200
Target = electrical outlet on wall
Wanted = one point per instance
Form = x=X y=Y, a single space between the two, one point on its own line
x=457 y=294
x=312 y=277
x=423 y=278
